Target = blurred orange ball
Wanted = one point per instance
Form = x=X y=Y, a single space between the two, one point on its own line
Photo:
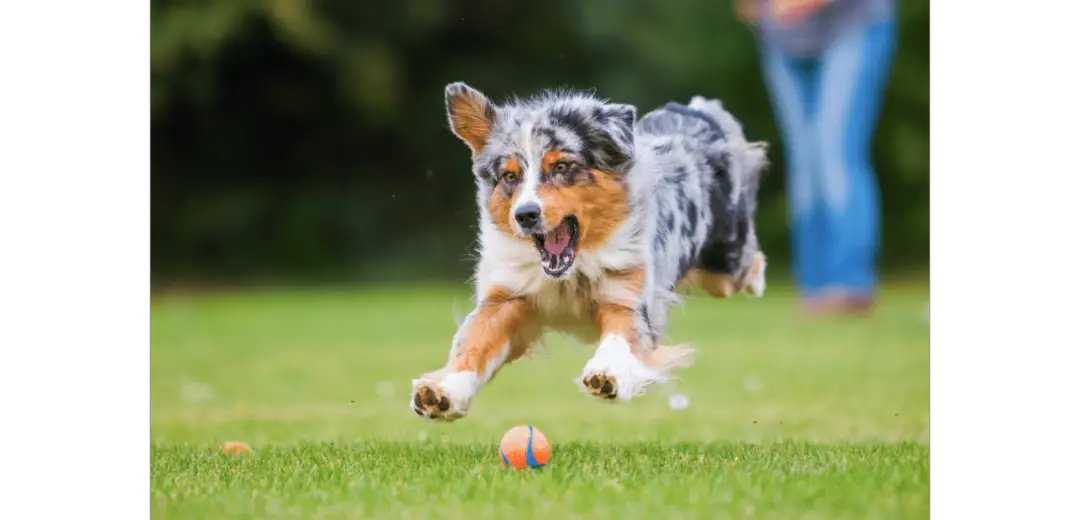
x=523 y=447
x=235 y=447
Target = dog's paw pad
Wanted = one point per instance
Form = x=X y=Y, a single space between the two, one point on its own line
x=431 y=401
x=601 y=385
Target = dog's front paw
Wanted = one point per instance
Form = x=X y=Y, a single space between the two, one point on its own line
x=445 y=400
x=614 y=373
x=600 y=385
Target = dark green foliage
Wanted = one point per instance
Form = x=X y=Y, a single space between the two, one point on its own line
x=308 y=139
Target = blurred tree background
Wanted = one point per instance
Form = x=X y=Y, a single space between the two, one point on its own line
x=302 y=140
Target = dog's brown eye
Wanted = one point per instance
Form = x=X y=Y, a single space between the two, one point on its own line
x=560 y=167
x=509 y=176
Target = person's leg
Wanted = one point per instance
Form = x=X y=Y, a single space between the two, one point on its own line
x=854 y=72
x=792 y=94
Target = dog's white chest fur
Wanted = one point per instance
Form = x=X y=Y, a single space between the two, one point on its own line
x=564 y=304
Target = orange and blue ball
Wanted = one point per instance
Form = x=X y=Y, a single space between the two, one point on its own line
x=523 y=447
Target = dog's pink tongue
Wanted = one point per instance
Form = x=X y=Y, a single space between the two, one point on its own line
x=556 y=242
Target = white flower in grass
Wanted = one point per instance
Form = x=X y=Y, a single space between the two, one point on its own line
x=752 y=383
x=678 y=401
x=195 y=392
x=385 y=389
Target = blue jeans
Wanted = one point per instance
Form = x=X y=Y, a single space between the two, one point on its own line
x=827 y=109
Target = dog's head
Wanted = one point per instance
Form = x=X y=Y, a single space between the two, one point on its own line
x=550 y=170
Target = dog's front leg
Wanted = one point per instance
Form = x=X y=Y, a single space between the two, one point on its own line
x=617 y=369
x=491 y=336
x=627 y=360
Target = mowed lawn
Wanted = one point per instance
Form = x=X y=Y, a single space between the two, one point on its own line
x=787 y=418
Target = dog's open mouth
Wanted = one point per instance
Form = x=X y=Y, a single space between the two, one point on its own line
x=558 y=247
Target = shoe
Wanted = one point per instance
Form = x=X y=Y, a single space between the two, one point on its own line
x=838 y=303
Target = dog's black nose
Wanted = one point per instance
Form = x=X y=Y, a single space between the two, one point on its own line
x=528 y=215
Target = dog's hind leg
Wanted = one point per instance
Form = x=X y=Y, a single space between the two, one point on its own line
x=749 y=279
x=494 y=334
x=730 y=261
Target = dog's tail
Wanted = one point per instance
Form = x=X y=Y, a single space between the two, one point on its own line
x=668 y=358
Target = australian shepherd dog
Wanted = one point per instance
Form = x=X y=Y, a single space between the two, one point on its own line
x=591 y=222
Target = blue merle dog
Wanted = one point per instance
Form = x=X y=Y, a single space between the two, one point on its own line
x=590 y=223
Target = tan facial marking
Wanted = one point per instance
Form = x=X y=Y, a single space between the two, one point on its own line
x=600 y=207
x=501 y=200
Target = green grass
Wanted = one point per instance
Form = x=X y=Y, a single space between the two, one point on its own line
x=787 y=419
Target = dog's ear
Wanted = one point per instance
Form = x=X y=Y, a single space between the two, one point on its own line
x=471 y=115
x=613 y=141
